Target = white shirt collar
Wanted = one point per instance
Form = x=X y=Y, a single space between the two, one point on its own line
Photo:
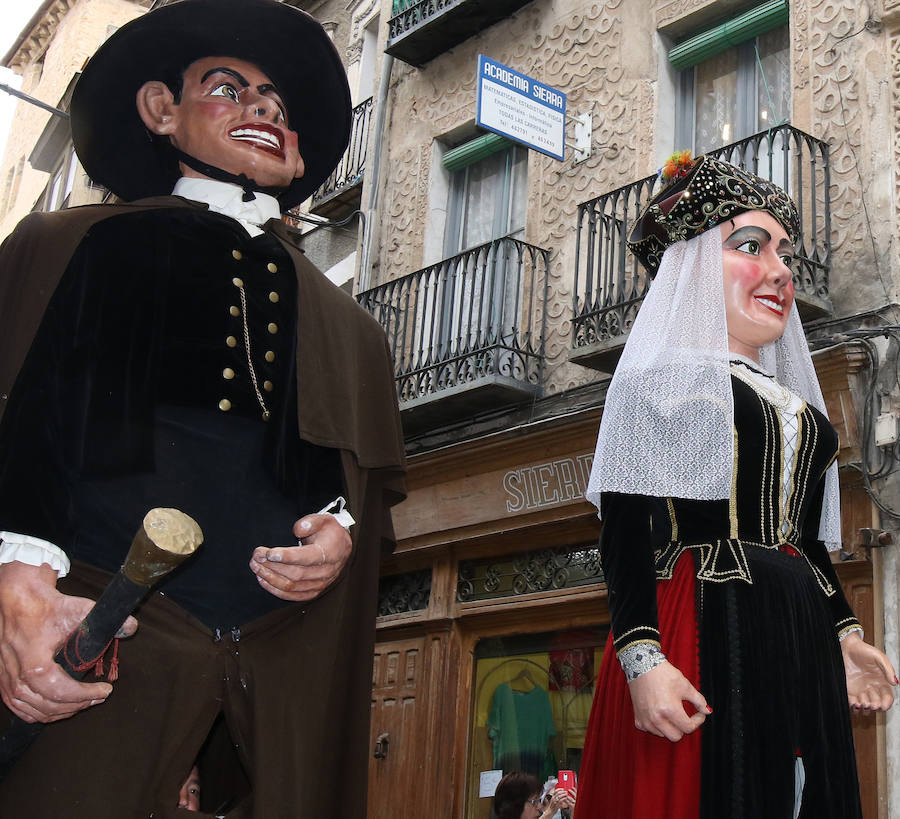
x=227 y=199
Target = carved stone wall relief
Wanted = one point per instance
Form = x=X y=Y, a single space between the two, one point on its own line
x=894 y=44
x=846 y=112
x=603 y=55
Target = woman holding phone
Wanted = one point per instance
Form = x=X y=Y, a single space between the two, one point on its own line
x=733 y=653
x=520 y=796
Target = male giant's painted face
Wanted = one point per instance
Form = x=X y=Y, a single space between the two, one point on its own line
x=759 y=291
x=230 y=116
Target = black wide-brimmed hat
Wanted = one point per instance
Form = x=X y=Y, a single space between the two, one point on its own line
x=698 y=195
x=287 y=44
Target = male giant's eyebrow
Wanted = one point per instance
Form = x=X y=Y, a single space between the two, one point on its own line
x=229 y=71
x=264 y=88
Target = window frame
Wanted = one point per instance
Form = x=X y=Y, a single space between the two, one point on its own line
x=747 y=88
x=515 y=156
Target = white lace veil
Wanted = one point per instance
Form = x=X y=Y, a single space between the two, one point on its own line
x=667 y=426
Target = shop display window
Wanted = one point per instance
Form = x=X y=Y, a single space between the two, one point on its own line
x=531 y=699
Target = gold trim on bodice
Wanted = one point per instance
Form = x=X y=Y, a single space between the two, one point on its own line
x=725 y=560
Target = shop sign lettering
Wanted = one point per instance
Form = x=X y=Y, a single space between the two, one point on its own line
x=547 y=484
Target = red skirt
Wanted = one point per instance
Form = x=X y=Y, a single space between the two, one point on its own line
x=630 y=774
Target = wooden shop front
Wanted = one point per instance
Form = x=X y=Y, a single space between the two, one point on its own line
x=493 y=610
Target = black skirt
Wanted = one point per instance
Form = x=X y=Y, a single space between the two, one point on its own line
x=771 y=668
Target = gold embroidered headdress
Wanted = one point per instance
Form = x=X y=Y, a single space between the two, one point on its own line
x=698 y=195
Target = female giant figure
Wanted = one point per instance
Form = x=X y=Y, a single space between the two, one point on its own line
x=716 y=481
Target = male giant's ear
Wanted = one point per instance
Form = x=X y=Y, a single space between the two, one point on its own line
x=156 y=107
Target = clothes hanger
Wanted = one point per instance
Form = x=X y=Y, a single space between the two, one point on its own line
x=524 y=677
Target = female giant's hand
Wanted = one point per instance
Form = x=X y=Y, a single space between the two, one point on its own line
x=870 y=675
x=658 y=697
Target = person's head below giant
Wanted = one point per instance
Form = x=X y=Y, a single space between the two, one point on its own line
x=250 y=92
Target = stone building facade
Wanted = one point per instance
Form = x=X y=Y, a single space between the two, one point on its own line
x=500 y=277
x=38 y=170
x=494 y=565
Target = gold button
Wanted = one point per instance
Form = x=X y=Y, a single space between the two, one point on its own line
x=272 y=267
x=273 y=327
x=265 y=416
x=234 y=310
x=270 y=356
x=224 y=405
x=273 y=297
x=268 y=386
x=228 y=373
x=237 y=254
x=237 y=282
x=231 y=341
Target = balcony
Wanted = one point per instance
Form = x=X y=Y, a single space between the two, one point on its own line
x=342 y=190
x=610 y=284
x=467 y=333
x=422 y=29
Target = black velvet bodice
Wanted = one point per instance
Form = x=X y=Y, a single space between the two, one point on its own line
x=643 y=537
x=755 y=512
x=137 y=392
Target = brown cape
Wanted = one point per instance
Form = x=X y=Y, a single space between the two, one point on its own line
x=296 y=687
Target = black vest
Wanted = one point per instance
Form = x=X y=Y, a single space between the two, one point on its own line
x=138 y=392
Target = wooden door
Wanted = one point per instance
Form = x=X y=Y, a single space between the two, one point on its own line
x=856 y=578
x=397 y=775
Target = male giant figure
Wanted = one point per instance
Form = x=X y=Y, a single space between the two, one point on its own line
x=180 y=351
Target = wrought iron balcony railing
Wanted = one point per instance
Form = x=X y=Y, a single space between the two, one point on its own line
x=473 y=319
x=353 y=163
x=419 y=30
x=610 y=284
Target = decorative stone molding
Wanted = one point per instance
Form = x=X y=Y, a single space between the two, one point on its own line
x=844 y=112
x=361 y=14
x=353 y=53
x=403 y=214
x=800 y=56
x=683 y=17
x=34 y=45
x=894 y=43
x=670 y=11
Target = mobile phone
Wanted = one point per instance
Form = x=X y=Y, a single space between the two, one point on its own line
x=566 y=779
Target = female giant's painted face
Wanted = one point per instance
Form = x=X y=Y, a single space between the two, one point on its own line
x=230 y=116
x=759 y=291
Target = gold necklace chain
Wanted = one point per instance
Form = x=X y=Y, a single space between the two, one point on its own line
x=265 y=411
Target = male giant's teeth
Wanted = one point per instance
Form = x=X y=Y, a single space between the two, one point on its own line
x=251 y=134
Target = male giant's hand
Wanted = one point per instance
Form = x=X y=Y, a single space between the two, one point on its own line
x=658 y=697
x=35 y=620
x=870 y=675
x=301 y=573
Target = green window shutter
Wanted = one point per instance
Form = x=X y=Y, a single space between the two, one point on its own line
x=475 y=150
x=401 y=5
x=750 y=24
